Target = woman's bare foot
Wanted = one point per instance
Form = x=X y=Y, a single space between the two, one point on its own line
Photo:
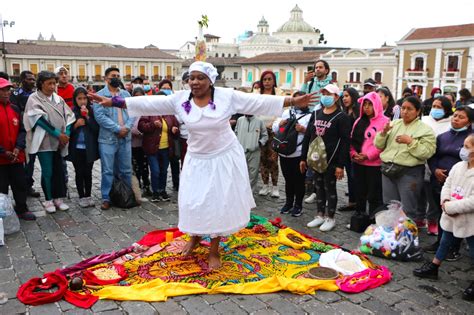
x=214 y=261
x=191 y=245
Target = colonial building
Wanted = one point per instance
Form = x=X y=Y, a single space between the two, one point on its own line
x=213 y=46
x=350 y=67
x=262 y=42
x=297 y=32
x=229 y=69
x=88 y=61
x=290 y=68
x=437 y=57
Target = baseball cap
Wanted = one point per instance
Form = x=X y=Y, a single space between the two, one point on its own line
x=370 y=82
x=61 y=68
x=331 y=88
x=5 y=83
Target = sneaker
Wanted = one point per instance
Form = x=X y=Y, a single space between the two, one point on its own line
x=155 y=197
x=349 y=207
x=91 y=202
x=432 y=228
x=83 y=202
x=60 y=205
x=27 y=216
x=285 y=209
x=328 y=225
x=421 y=223
x=265 y=190
x=317 y=221
x=275 y=192
x=311 y=198
x=468 y=294
x=49 y=206
x=33 y=193
x=453 y=256
x=147 y=192
x=431 y=248
x=428 y=270
x=164 y=196
x=105 y=205
x=297 y=211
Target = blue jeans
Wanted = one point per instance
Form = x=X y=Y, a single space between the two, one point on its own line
x=159 y=163
x=116 y=160
x=447 y=241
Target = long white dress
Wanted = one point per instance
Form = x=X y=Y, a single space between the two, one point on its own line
x=215 y=197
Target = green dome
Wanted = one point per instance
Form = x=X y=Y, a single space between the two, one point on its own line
x=296 y=24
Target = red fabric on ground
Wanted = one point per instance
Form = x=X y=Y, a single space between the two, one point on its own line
x=80 y=300
x=159 y=236
x=28 y=294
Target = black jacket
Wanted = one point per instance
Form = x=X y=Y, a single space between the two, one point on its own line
x=340 y=128
x=91 y=134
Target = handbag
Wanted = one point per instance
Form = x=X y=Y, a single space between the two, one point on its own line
x=392 y=170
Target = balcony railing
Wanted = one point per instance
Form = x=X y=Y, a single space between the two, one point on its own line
x=416 y=73
x=451 y=74
x=82 y=78
x=127 y=77
x=98 y=77
x=156 y=78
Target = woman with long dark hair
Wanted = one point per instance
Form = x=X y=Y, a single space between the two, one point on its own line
x=83 y=147
x=390 y=108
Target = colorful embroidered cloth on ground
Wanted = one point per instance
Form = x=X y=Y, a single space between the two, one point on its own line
x=265 y=257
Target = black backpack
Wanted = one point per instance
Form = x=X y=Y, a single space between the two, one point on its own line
x=285 y=140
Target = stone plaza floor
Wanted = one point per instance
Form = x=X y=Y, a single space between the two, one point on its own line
x=63 y=238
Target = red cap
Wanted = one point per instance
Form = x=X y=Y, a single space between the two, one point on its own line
x=4 y=83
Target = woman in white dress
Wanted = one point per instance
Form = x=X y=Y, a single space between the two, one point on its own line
x=215 y=197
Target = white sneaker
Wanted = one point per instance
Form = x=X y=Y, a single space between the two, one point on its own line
x=60 y=205
x=83 y=202
x=318 y=220
x=311 y=198
x=328 y=225
x=91 y=202
x=275 y=192
x=265 y=190
x=49 y=206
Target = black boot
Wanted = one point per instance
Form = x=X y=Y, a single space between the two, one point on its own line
x=428 y=270
x=468 y=294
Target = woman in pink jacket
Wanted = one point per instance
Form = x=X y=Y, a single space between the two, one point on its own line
x=364 y=154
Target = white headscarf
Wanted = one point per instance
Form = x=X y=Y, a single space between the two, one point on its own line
x=205 y=67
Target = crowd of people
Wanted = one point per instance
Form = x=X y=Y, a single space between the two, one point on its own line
x=418 y=152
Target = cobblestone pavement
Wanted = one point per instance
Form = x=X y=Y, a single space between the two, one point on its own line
x=55 y=241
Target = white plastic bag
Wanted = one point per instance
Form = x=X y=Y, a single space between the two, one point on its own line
x=11 y=224
x=342 y=262
x=392 y=216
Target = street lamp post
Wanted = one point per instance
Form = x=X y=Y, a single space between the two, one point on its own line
x=3 y=24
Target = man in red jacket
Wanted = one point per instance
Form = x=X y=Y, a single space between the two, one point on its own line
x=12 y=152
x=65 y=89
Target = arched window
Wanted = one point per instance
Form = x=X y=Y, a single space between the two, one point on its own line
x=300 y=42
x=334 y=76
x=217 y=54
x=223 y=55
x=354 y=76
x=378 y=77
x=453 y=63
x=419 y=64
x=229 y=55
x=288 y=41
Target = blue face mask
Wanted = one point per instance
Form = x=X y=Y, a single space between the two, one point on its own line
x=459 y=129
x=464 y=154
x=167 y=92
x=147 y=87
x=327 y=100
x=437 y=113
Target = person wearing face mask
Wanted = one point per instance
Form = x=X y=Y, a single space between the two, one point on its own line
x=439 y=119
x=316 y=79
x=448 y=146
x=136 y=82
x=406 y=145
x=435 y=93
x=114 y=136
x=334 y=127
x=166 y=87
x=457 y=220
x=147 y=87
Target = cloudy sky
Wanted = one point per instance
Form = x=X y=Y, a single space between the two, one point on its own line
x=168 y=24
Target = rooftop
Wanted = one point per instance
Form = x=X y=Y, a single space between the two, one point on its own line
x=296 y=24
x=451 y=31
x=286 y=57
x=218 y=61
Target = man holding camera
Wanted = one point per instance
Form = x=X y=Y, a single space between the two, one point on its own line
x=316 y=79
